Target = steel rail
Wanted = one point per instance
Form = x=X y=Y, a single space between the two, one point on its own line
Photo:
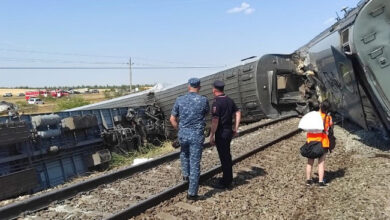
x=40 y=202
x=142 y=206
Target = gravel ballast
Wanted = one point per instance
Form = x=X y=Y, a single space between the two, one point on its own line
x=110 y=198
x=271 y=185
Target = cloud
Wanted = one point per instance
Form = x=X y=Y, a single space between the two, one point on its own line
x=244 y=8
x=249 y=11
x=330 y=21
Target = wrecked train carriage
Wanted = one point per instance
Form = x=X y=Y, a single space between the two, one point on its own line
x=349 y=64
x=264 y=88
x=42 y=151
x=133 y=130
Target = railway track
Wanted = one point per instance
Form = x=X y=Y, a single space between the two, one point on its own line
x=138 y=208
x=104 y=196
x=261 y=183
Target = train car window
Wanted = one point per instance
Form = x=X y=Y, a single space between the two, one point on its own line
x=347 y=77
x=246 y=77
x=229 y=75
x=345 y=36
x=247 y=68
x=281 y=82
x=345 y=41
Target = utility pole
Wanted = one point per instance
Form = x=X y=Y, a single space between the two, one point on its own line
x=131 y=74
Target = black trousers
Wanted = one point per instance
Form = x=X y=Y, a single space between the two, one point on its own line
x=222 y=140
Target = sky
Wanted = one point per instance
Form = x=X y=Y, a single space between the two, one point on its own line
x=179 y=34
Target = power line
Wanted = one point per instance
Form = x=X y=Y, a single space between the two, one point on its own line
x=59 y=53
x=99 y=56
x=170 y=62
x=35 y=60
x=109 y=68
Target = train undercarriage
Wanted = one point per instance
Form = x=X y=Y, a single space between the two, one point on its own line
x=42 y=151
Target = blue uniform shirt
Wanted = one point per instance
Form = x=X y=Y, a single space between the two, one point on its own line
x=191 y=109
x=224 y=109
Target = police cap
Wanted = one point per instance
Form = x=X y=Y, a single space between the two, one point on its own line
x=194 y=82
x=218 y=84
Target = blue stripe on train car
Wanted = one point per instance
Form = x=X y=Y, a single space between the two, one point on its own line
x=42 y=178
x=58 y=171
x=99 y=117
x=79 y=164
x=78 y=113
x=54 y=172
x=69 y=167
x=4 y=167
x=107 y=117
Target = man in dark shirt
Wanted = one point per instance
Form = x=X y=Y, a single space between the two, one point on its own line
x=223 y=109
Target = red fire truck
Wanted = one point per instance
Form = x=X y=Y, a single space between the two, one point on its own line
x=44 y=93
x=58 y=93
x=35 y=94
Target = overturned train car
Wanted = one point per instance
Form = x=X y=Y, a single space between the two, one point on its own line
x=265 y=88
x=42 y=151
x=349 y=64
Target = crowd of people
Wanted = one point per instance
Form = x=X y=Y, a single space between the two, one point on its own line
x=188 y=116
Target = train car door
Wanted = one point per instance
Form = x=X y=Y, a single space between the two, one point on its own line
x=351 y=100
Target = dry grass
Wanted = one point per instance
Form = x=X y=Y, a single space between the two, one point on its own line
x=148 y=151
x=14 y=92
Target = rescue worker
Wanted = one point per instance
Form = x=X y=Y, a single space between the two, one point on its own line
x=223 y=110
x=191 y=110
x=324 y=140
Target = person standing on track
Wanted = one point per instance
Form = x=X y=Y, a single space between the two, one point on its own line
x=191 y=110
x=324 y=140
x=222 y=132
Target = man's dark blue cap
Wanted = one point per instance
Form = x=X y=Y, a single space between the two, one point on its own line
x=218 y=84
x=194 y=82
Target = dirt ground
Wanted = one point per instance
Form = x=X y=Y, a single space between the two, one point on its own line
x=14 y=92
x=271 y=185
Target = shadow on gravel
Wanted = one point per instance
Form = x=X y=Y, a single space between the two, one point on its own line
x=386 y=156
x=332 y=175
x=241 y=179
x=373 y=138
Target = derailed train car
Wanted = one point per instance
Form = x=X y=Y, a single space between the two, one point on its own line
x=46 y=150
x=42 y=151
x=348 y=63
x=265 y=88
x=260 y=90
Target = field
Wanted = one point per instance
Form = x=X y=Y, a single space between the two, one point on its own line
x=14 y=92
x=51 y=104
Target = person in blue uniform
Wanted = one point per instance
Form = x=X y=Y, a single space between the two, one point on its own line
x=191 y=110
x=222 y=131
